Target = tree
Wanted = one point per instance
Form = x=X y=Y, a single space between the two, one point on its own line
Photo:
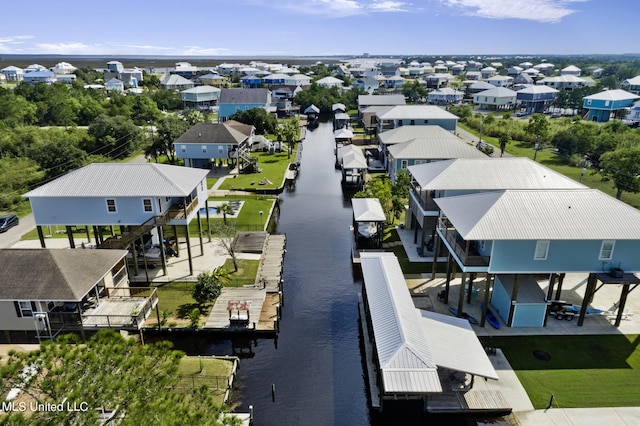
x=169 y=129
x=623 y=166
x=414 y=91
x=226 y=239
x=538 y=125
x=225 y=209
x=504 y=140
x=209 y=285
x=114 y=137
x=104 y=373
x=258 y=118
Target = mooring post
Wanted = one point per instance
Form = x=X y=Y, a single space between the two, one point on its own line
x=273 y=392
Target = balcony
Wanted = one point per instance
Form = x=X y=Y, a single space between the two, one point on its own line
x=464 y=250
x=423 y=198
x=179 y=212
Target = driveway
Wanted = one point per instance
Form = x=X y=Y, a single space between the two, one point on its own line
x=14 y=234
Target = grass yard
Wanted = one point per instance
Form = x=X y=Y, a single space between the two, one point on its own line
x=249 y=217
x=246 y=273
x=211 y=372
x=583 y=371
x=274 y=167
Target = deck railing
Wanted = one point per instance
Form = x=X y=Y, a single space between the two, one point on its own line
x=422 y=197
x=463 y=249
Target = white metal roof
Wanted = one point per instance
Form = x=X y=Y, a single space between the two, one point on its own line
x=123 y=180
x=406 y=362
x=613 y=95
x=385 y=100
x=538 y=88
x=367 y=210
x=455 y=346
x=353 y=160
x=579 y=214
x=434 y=149
x=407 y=133
x=343 y=133
x=498 y=92
x=489 y=174
x=427 y=112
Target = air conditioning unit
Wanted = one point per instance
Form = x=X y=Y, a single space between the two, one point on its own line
x=616 y=272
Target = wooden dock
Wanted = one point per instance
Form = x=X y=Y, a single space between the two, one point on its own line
x=219 y=318
x=271 y=263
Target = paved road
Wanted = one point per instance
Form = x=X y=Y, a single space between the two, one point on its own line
x=14 y=234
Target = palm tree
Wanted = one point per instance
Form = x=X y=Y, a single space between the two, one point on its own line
x=504 y=140
x=225 y=209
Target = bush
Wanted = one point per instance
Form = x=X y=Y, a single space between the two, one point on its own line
x=194 y=318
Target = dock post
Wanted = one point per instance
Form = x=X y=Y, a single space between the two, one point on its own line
x=273 y=392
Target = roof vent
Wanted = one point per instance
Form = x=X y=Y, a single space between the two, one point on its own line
x=199 y=134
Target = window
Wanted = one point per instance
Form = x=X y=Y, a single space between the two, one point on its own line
x=542 y=249
x=183 y=148
x=24 y=309
x=111 y=206
x=204 y=148
x=606 y=250
x=404 y=164
x=146 y=203
x=412 y=122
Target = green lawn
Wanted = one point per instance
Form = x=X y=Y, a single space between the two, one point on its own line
x=550 y=159
x=246 y=274
x=584 y=371
x=210 y=372
x=249 y=218
x=273 y=168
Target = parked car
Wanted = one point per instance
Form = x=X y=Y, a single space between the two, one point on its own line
x=8 y=221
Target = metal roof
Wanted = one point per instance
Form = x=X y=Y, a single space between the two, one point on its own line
x=426 y=112
x=434 y=149
x=455 y=346
x=53 y=274
x=404 y=357
x=613 y=95
x=244 y=96
x=385 y=100
x=343 y=133
x=123 y=180
x=489 y=174
x=538 y=88
x=578 y=214
x=407 y=133
x=367 y=210
x=498 y=92
x=221 y=133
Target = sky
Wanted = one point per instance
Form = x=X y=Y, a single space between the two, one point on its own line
x=215 y=28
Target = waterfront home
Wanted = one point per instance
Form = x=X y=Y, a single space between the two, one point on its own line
x=414 y=115
x=571 y=70
x=430 y=144
x=135 y=201
x=500 y=81
x=214 y=80
x=563 y=82
x=468 y=176
x=513 y=236
x=602 y=105
x=330 y=82
x=48 y=291
x=498 y=98
x=233 y=100
x=413 y=354
x=46 y=77
x=12 y=73
x=185 y=69
x=436 y=80
x=366 y=101
x=200 y=97
x=250 y=81
x=445 y=96
x=206 y=144
x=63 y=68
x=114 y=85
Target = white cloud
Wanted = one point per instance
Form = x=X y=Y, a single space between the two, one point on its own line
x=389 y=6
x=535 y=10
x=337 y=8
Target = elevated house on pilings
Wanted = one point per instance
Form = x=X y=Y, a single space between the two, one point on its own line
x=513 y=236
x=136 y=202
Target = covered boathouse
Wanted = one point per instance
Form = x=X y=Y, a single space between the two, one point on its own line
x=414 y=354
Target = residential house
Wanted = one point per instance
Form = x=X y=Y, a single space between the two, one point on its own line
x=233 y=100
x=523 y=78
x=330 y=82
x=467 y=176
x=500 y=81
x=634 y=114
x=427 y=144
x=366 y=84
x=535 y=98
x=12 y=73
x=115 y=66
x=563 y=82
x=414 y=115
x=473 y=75
x=35 y=67
x=488 y=72
x=602 y=105
x=136 y=200
x=457 y=69
x=437 y=80
x=64 y=68
x=297 y=80
x=250 y=82
x=46 y=77
x=514 y=71
x=49 y=291
x=631 y=85
x=201 y=97
x=515 y=236
x=207 y=144
x=571 y=70
x=214 y=80
x=393 y=82
x=479 y=86
x=498 y=98
x=115 y=85
x=365 y=101
x=185 y=69
x=445 y=96
x=176 y=82
x=545 y=68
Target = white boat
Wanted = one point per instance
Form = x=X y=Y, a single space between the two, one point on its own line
x=367 y=229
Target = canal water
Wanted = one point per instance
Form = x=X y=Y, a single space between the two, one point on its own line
x=313 y=373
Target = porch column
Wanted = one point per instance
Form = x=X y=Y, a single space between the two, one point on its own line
x=485 y=299
x=472 y=276
x=134 y=254
x=588 y=295
x=41 y=236
x=559 y=290
x=552 y=283
x=200 y=233
x=70 y=237
x=95 y=235
x=436 y=250
x=623 y=300
x=514 y=297
x=206 y=206
x=86 y=230
x=461 y=294
x=186 y=228
x=175 y=234
x=163 y=256
x=448 y=280
x=414 y=224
